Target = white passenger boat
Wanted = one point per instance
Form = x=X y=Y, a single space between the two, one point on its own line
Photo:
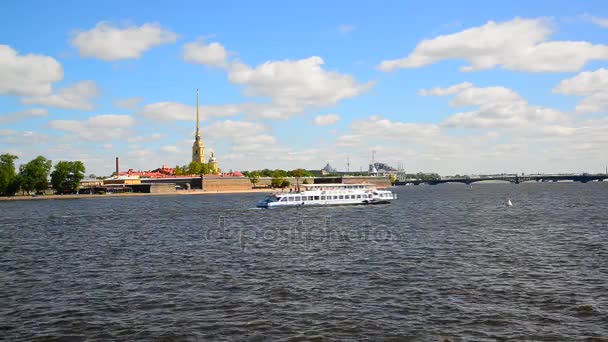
x=329 y=194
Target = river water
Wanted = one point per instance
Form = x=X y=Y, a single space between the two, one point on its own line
x=441 y=261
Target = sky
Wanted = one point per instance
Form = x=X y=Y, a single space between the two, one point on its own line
x=453 y=87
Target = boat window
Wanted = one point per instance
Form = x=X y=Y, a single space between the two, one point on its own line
x=358 y=196
x=310 y=198
x=335 y=196
x=283 y=199
x=322 y=198
x=341 y=196
x=316 y=198
x=297 y=198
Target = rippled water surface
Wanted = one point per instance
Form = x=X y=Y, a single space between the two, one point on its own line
x=441 y=261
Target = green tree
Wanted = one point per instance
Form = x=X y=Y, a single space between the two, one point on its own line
x=266 y=173
x=67 y=175
x=179 y=171
x=254 y=177
x=285 y=183
x=205 y=169
x=34 y=175
x=9 y=183
x=297 y=174
x=280 y=173
x=194 y=168
x=300 y=173
x=277 y=179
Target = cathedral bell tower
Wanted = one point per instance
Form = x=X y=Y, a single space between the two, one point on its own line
x=198 y=149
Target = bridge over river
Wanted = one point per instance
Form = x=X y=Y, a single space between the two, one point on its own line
x=516 y=179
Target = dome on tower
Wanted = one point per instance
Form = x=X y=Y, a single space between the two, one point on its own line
x=212 y=159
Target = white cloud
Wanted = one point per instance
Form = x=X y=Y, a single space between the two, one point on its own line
x=97 y=128
x=346 y=29
x=170 y=149
x=593 y=85
x=77 y=96
x=445 y=91
x=570 y=145
x=25 y=114
x=499 y=107
x=129 y=103
x=384 y=128
x=518 y=44
x=148 y=138
x=167 y=111
x=286 y=88
x=601 y=22
x=27 y=75
x=293 y=86
x=233 y=132
x=473 y=96
x=212 y=54
x=112 y=43
x=584 y=84
x=595 y=103
x=24 y=139
x=326 y=120
x=233 y=129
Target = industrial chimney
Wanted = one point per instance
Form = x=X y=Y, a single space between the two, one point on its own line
x=116 y=166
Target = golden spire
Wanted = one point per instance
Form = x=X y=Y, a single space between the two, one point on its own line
x=198 y=132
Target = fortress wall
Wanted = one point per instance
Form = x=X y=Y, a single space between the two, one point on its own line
x=162 y=188
x=380 y=182
x=226 y=184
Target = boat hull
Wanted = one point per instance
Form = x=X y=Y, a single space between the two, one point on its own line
x=298 y=205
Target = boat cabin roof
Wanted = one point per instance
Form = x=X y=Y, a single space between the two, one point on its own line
x=333 y=185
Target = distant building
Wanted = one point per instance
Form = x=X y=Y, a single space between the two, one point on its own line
x=384 y=168
x=372 y=170
x=328 y=169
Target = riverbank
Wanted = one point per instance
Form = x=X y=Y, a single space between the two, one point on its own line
x=109 y=195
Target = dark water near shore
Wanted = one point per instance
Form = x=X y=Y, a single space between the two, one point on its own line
x=441 y=261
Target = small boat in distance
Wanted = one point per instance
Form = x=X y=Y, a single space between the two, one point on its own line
x=329 y=194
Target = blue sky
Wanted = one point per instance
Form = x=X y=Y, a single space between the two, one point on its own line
x=298 y=85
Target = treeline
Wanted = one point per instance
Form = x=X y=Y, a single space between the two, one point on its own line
x=423 y=176
x=279 y=173
x=34 y=175
x=194 y=168
x=278 y=176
